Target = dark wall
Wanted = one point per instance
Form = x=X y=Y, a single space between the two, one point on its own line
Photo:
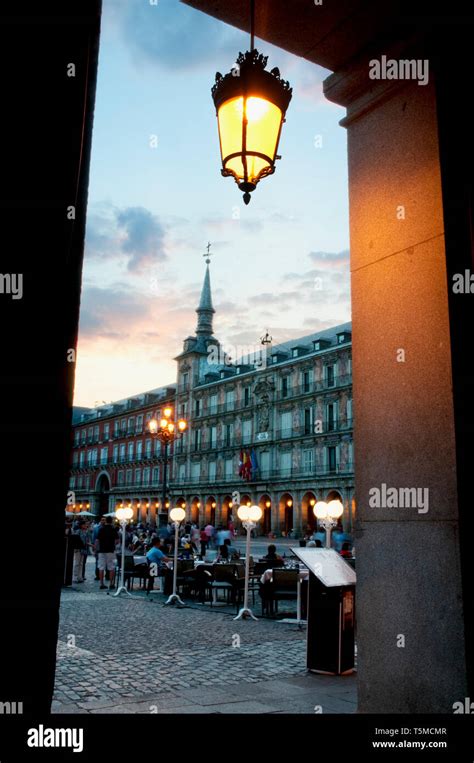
x=451 y=55
x=46 y=128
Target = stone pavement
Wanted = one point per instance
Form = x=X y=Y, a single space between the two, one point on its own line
x=122 y=655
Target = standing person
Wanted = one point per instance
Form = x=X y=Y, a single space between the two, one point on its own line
x=209 y=530
x=95 y=532
x=86 y=536
x=107 y=539
x=204 y=541
x=195 y=537
x=79 y=547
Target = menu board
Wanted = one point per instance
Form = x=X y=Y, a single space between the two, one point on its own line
x=328 y=566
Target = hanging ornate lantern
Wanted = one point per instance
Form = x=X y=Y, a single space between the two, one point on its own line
x=251 y=104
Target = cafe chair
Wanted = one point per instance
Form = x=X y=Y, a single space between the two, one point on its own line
x=284 y=586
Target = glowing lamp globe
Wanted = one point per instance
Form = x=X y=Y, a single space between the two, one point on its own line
x=153 y=426
x=255 y=513
x=251 y=104
x=177 y=514
x=335 y=509
x=124 y=514
x=320 y=510
x=243 y=513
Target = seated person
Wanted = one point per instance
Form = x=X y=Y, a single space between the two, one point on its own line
x=227 y=551
x=346 y=550
x=155 y=557
x=271 y=555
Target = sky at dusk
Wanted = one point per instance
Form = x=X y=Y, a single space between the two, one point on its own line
x=156 y=197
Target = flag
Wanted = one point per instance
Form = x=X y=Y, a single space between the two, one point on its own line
x=254 y=462
x=247 y=468
x=241 y=464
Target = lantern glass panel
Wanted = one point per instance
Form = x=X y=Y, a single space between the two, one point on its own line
x=263 y=128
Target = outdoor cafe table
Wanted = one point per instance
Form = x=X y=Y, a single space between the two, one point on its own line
x=303 y=574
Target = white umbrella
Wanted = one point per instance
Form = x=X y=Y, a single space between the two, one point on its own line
x=69 y=513
x=85 y=514
x=110 y=514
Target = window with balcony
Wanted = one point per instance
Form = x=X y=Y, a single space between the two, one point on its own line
x=308 y=461
x=106 y=432
x=123 y=427
x=308 y=420
x=349 y=411
x=212 y=471
x=79 y=482
x=103 y=455
x=121 y=478
x=331 y=417
x=212 y=437
x=246 y=396
x=138 y=450
x=285 y=464
x=75 y=458
x=247 y=432
x=146 y=475
x=96 y=433
x=228 y=435
x=284 y=387
x=197 y=407
x=195 y=471
x=116 y=428
x=130 y=451
x=129 y=477
x=115 y=455
x=229 y=468
x=81 y=458
x=122 y=453
x=139 y=424
x=213 y=404
x=286 y=424
x=138 y=476
x=76 y=437
x=90 y=434
x=131 y=425
x=155 y=475
x=331 y=458
x=264 y=459
x=306 y=381
x=72 y=482
x=83 y=436
x=86 y=482
x=197 y=439
x=330 y=374
x=229 y=400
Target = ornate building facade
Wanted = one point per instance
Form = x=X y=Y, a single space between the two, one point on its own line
x=273 y=427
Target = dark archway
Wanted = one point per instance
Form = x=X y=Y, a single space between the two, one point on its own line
x=102 y=488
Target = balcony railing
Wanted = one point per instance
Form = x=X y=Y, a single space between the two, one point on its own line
x=276 y=475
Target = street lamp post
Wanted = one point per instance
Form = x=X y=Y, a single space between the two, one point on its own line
x=249 y=515
x=328 y=514
x=166 y=431
x=123 y=515
x=176 y=515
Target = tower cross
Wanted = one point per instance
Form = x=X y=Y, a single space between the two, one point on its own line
x=208 y=253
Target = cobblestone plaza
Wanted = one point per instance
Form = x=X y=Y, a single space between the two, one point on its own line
x=124 y=655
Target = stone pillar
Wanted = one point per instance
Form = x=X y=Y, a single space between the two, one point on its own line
x=409 y=598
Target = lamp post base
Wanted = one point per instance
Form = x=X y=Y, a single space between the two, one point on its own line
x=119 y=591
x=174 y=599
x=245 y=612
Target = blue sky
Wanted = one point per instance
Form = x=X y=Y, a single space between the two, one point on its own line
x=156 y=197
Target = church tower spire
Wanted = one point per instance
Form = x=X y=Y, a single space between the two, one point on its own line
x=205 y=310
